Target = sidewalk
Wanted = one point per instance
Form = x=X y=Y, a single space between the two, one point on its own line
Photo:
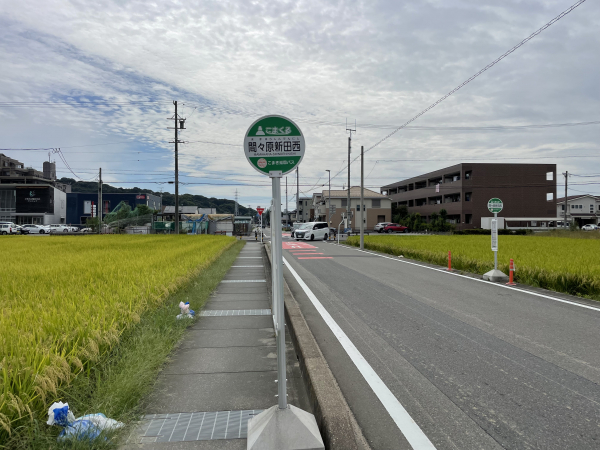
x=224 y=371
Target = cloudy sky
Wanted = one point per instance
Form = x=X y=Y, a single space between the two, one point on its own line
x=97 y=79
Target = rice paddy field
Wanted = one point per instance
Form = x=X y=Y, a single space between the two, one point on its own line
x=65 y=301
x=561 y=264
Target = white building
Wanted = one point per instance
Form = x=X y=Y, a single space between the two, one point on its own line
x=583 y=209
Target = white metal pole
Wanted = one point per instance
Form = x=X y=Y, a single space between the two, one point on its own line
x=276 y=241
x=362 y=197
x=496 y=251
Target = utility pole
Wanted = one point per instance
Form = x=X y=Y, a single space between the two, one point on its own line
x=236 y=211
x=100 y=201
x=362 y=197
x=297 y=195
x=179 y=125
x=287 y=212
x=329 y=200
x=566 y=174
x=349 y=151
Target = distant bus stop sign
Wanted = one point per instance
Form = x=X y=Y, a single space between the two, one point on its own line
x=274 y=144
x=495 y=205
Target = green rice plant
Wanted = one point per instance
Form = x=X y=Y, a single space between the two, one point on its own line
x=562 y=264
x=65 y=301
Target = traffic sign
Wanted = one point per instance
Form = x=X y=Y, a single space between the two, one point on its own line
x=274 y=144
x=260 y=210
x=495 y=205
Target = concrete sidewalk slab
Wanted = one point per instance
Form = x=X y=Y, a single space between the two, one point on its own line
x=195 y=392
x=231 y=359
x=233 y=323
x=238 y=298
x=254 y=337
x=239 y=304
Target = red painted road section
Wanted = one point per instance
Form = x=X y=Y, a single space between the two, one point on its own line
x=297 y=246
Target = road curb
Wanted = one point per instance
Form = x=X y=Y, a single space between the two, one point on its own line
x=336 y=421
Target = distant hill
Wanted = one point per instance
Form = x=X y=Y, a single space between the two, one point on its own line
x=223 y=205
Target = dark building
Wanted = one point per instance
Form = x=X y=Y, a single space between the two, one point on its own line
x=80 y=206
x=463 y=190
x=30 y=196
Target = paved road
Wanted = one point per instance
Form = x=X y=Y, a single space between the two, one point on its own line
x=475 y=365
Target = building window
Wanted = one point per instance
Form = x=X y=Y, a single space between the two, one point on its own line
x=468 y=196
x=376 y=203
x=562 y=207
x=592 y=209
x=468 y=174
x=344 y=202
x=469 y=218
x=549 y=176
x=550 y=196
x=87 y=207
x=411 y=203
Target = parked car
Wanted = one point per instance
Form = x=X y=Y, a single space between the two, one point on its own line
x=312 y=230
x=86 y=230
x=59 y=228
x=589 y=227
x=380 y=226
x=21 y=229
x=395 y=228
x=36 y=229
x=8 y=228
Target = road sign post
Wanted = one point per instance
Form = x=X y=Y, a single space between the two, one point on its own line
x=274 y=146
x=495 y=205
x=260 y=211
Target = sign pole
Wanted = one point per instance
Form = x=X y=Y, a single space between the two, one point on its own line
x=495 y=240
x=495 y=205
x=276 y=241
x=274 y=146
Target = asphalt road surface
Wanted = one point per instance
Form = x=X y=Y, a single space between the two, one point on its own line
x=475 y=365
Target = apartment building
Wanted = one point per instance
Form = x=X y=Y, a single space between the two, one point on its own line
x=528 y=192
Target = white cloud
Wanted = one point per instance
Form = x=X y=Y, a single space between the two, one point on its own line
x=379 y=62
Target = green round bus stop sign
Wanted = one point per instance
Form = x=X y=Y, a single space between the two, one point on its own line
x=495 y=205
x=274 y=144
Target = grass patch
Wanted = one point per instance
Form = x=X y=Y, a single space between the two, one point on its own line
x=562 y=264
x=118 y=383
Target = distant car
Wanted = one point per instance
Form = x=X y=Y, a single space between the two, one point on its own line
x=395 y=228
x=86 y=230
x=36 y=229
x=589 y=227
x=8 y=228
x=59 y=228
x=380 y=226
x=312 y=230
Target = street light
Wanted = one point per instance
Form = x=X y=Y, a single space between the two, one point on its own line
x=329 y=202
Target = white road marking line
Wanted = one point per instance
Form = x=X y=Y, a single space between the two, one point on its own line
x=409 y=428
x=482 y=281
x=247 y=266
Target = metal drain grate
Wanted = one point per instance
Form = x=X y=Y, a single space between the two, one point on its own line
x=196 y=426
x=235 y=312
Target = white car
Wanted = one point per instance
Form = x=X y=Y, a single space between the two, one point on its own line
x=312 y=230
x=37 y=229
x=8 y=228
x=59 y=228
x=380 y=226
x=589 y=227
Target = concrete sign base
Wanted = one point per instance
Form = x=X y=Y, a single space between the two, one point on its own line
x=495 y=275
x=284 y=429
